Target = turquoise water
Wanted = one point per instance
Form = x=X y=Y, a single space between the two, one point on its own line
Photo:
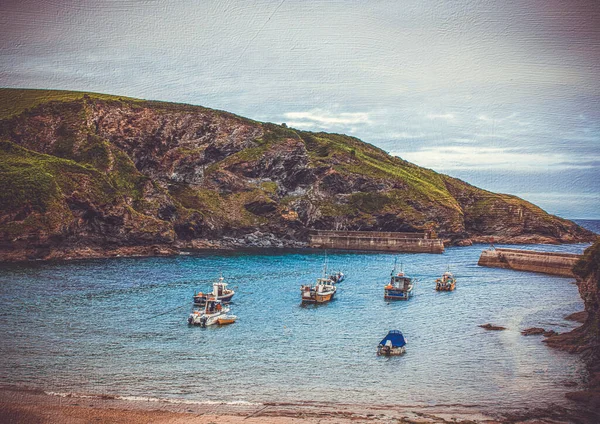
x=118 y=326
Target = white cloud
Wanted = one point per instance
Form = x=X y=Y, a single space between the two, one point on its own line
x=405 y=135
x=323 y=118
x=462 y=140
x=486 y=118
x=445 y=116
x=473 y=158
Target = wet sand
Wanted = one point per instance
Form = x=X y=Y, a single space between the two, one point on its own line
x=33 y=406
x=28 y=406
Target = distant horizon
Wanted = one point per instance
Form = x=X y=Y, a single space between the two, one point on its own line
x=502 y=95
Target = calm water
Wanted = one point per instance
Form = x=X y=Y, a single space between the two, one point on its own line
x=118 y=326
x=590 y=224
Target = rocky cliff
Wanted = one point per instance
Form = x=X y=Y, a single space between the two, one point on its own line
x=586 y=339
x=94 y=175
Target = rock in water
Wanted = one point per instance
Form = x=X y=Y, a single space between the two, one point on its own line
x=492 y=327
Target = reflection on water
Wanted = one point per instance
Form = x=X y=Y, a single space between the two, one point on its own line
x=119 y=326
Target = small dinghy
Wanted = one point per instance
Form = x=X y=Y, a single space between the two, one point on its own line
x=214 y=312
x=220 y=292
x=337 y=277
x=393 y=344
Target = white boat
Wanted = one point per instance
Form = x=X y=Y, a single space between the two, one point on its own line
x=322 y=292
x=220 y=292
x=214 y=312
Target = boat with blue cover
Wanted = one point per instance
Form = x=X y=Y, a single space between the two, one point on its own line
x=400 y=286
x=392 y=345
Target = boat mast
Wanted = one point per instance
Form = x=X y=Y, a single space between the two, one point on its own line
x=325 y=266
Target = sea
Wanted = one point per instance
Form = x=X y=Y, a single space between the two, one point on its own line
x=119 y=327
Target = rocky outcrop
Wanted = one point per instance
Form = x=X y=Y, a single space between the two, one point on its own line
x=586 y=339
x=88 y=172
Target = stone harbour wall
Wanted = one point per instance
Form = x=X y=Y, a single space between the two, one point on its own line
x=528 y=260
x=381 y=241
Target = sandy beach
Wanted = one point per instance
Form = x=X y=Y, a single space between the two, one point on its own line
x=34 y=406
x=30 y=406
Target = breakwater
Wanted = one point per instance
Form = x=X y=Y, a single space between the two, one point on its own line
x=529 y=260
x=376 y=240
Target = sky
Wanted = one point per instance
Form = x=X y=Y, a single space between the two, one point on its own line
x=504 y=95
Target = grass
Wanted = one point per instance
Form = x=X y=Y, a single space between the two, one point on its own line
x=357 y=157
x=14 y=101
x=35 y=180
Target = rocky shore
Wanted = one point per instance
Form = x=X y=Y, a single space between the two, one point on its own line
x=585 y=340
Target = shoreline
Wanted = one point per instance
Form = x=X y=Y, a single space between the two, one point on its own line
x=37 y=406
x=33 y=255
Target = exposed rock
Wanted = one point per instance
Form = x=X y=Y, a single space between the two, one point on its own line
x=578 y=316
x=533 y=331
x=492 y=327
x=262 y=206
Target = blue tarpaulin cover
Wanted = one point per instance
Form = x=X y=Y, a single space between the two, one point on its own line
x=396 y=337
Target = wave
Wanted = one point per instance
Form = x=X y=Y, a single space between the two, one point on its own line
x=152 y=399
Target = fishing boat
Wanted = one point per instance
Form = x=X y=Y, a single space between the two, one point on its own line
x=400 y=286
x=446 y=283
x=337 y=277
x=220 y=292
x=323 y=291
x=392 y=345
x=214 y=312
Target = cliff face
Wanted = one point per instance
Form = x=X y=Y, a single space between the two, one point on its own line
x=86 y=174
x=587 y=271
x=586 y=339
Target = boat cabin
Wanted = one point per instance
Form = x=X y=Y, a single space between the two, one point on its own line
x=213 y=306
x=399 y=282
x=220 y=288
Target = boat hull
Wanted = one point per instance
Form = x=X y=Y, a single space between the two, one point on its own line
x=396 y=295
x=205 y=320
x=394 y=351
x=226 y=320
x=318 y=298
x=445 y=287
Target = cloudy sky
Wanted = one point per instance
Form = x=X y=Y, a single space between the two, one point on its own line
x=502 y=94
